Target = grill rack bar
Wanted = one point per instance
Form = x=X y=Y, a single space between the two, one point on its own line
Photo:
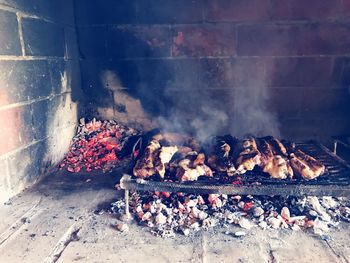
x=335 y=182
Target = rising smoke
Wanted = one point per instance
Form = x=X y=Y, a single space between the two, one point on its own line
x=203 y=112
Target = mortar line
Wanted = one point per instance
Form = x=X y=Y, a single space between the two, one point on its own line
x=15 y=58
x=11 y=9
x=20 y=33
x=28 y=102
x=6 y=155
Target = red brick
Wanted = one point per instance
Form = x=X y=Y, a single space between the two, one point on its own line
x=16 y=130
x=264 y=40
x=169 y=11
x=236 y=10
x=139 y=41
x=248 y=72
x=321 y=39
x=300 y=72
x=215 y=73
x=341 y=72
x=325 y=103
x=302 y=39
x=301 y=129
x=305 y=10
x=284 y=102
x=204 y=40
x=346 y=8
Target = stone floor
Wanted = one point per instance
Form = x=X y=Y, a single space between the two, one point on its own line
x=55 y=222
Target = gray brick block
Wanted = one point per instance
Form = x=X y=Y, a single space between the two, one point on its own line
x=90 y=12
x=71 y=38
x=17 y=129
x=9 y=37
x=26 y=166
x=24 y=80
x=92 y=41
x=60 y=11
x=65 y=75
x=42 y=38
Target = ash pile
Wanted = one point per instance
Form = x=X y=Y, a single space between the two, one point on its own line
x=166 y=214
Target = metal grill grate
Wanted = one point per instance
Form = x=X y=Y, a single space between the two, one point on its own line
x=335 y=181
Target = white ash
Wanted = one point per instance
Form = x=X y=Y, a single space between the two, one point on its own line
x=167 y=214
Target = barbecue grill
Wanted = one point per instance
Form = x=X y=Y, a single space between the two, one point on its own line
x=335 y=181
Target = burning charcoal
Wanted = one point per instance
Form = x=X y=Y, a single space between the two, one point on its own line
x=214 y=200
x=185 y=231
x=147 y=216
x=295 y=227
x=274 y=222
x=245 y=223
x=161 y=219
x=285 y=213
x=315 y=204
x=313 y=213
x=241 y=204
x=262 y=225
x=320 y=227
x=209 y=222
x=96 y=146
x=329 y=202
x=258 y=211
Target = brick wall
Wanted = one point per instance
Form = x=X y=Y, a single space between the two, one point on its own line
x=39 y=89
x=257 y=65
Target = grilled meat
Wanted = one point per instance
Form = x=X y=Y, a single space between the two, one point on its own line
x=190 y=168
x=305 y=165
x=273 y=164
x=165 y=155
x=144 y=167
x=278 y=167
x=249 y=157
x=220 y=159
x=277 y=146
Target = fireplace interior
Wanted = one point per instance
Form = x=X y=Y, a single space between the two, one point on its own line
x=198 y=67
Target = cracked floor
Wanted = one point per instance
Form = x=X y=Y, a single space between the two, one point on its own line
x=55 y=222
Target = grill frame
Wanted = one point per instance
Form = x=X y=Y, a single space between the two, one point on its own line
x=335 y=182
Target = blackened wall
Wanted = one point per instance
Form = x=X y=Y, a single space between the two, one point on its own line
x=275 y=66
x=39 y=80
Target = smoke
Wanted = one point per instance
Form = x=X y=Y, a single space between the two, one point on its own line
x=252 y=102
x=208 y=123
x=241 y=108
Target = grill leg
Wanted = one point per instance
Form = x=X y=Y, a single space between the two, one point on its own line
x=335 y=144
x=127 y=211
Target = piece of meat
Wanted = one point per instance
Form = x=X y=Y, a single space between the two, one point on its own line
x=145 y=166
x=220 y=160
x=277 y=146
x=275 y=165
x=192 y=167
x=164 y=157
x=265 y=151
x=249 y=157
x=278 y=167
x=305 y=165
